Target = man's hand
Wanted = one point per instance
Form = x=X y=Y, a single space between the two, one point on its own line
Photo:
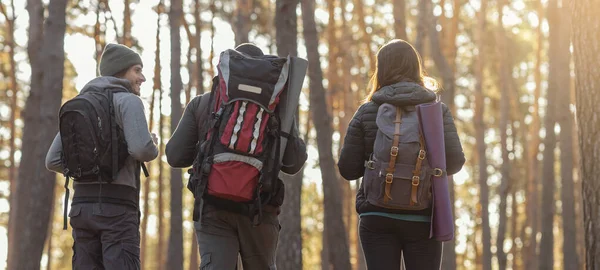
x=154 y=138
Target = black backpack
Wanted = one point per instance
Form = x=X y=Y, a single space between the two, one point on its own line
x=93 y=145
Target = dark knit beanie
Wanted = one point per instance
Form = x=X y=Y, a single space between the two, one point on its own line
x=249 y=49
x=117 y=57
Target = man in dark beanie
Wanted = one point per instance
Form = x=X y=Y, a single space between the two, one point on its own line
x=223 y=232
x=105 y=208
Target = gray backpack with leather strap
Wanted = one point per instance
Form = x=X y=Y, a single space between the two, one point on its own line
x=398 y=176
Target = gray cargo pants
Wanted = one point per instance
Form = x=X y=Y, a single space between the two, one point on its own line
x=222 y=235
x=106 y=236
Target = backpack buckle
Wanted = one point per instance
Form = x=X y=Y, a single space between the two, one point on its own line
x=416 y=180
x=437 y=172
x=421 y=154
x=389 y=177
x=394 y=151
x=370 y=165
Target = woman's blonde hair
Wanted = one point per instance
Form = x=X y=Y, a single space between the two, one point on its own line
x=397 y=61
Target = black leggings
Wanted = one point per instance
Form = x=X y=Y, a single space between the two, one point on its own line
x=384 y=239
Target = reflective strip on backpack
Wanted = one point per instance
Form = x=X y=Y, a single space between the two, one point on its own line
x=255 y=133
x=238 y=125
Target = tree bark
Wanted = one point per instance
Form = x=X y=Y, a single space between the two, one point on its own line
x=400 y=19
x=422 y=25
x=159 y=249
x=194 y=254
x=197 y=43
x=289 y=251
x=14 y=108
x=99 y=33
x=14 y=88
x=127 y=38
x=242 y=22
x=546 y=256
x=486 y=236
x=587 y=56
x=504 y=86
x=30 y=217
x=336 y=235
x=175 y=252
x=365 y=38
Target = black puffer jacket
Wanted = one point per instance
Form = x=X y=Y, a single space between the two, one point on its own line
x=360 y=137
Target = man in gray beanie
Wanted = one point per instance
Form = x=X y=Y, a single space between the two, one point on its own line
x=105 y=209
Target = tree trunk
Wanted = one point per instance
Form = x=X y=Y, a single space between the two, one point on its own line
x=533 y=182
x=194 y=254
x=14 y=87
x=157 y=85
x=400 y=19
x=160 y=247
x=197 y=43
x=30 y=217
x=365 y=38
x=242 y=22
x=127 y=38
x=503 y=85
x=289 y=250
x=14 y=107
x=565 y=119
x=336 y=235
x=480 y=138
x=175 y=252
x=422 y=26
x=99 y=33
x=546 y=256
x=587 y=56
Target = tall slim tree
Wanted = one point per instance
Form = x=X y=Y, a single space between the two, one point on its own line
x=565 y=120
x=157 y=85
x=336 y=234
x=14 y=108
x=242 y=23
x=175 y=252
x=530 y=249
x=546 y=256
x=480 y=137
x=126 y=37
x=400 y=19
x=504 y=86
x=587 y=56
x=14 y=87
x=30 y=214
x=289 y=252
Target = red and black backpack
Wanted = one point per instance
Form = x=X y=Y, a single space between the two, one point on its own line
x=238 y=160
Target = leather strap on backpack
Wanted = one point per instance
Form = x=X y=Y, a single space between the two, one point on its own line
x=389 y=176
x=416 y=179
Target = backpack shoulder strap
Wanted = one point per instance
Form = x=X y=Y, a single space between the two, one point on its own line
x=389 y=176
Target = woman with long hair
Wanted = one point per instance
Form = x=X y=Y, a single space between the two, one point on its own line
x=395 y=214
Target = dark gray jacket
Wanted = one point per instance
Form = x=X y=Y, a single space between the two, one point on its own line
x=360 y=136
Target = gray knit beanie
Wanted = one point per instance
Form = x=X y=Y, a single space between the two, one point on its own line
x=117 y=57
x=249 y=49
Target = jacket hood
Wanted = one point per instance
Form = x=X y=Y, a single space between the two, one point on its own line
x=106 y=82
x=404 y=94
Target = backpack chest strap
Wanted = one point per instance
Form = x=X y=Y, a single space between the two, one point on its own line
x=389 y=176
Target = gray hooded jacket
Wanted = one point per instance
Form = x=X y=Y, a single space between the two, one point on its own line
x=129 y=115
